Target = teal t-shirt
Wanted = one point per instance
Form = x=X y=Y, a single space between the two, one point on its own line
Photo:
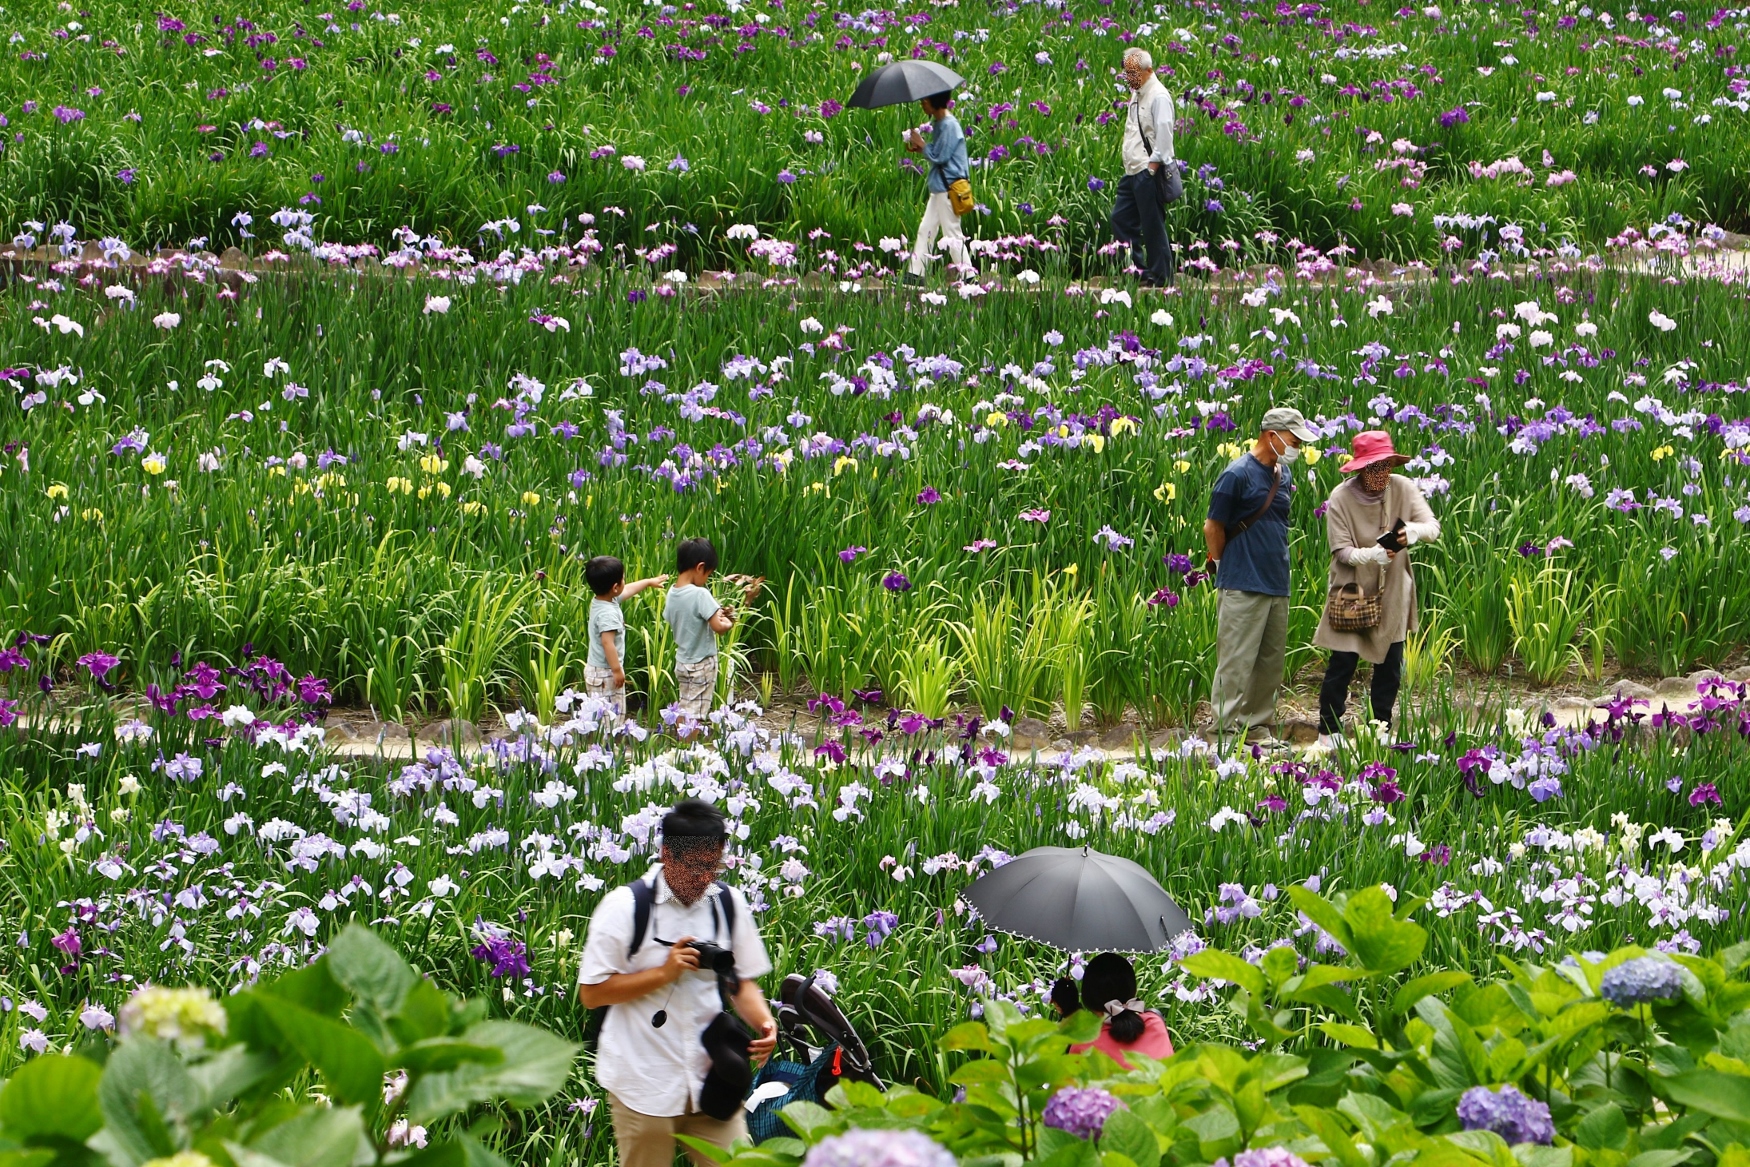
x=605 y=616
x=688 y=611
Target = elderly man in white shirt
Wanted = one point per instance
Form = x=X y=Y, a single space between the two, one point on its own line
x=650 y=1057
x=1139 y=214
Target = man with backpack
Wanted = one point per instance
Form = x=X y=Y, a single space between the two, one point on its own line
x=669 y=1055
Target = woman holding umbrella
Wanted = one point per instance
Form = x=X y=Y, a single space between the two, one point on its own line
x=946 y=151
x=931 y=85
x=1082 y=900
x=1109 y=992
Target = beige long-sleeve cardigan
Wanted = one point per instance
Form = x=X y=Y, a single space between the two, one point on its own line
x=1352 y=523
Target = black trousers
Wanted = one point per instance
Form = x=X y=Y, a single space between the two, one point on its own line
x=1139 y=218
x=1388 y=676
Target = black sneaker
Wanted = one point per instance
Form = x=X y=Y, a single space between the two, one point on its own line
x=913 y=280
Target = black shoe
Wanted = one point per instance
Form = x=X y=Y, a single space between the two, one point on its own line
x=913 y=280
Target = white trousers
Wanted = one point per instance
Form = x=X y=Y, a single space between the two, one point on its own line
x=939 y=219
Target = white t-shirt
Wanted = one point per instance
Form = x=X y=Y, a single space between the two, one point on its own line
x=655 y=1071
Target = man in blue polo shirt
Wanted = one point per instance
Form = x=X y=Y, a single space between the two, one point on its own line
x=1246 y=535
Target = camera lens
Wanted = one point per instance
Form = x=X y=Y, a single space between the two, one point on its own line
x=715 y=957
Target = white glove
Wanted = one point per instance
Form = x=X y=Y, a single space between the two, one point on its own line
x=1359 y=555
x=1422 y=532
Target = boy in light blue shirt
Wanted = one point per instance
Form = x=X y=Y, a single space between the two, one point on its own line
x=698 y=620
x=604 y=673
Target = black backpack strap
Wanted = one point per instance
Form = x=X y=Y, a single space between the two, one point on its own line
x=642 y=896
x=727 y=902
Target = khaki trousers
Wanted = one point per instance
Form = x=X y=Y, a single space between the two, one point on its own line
x=1251 y=643
x=648 y=1140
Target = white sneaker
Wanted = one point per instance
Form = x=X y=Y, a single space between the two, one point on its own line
x=1331 y=741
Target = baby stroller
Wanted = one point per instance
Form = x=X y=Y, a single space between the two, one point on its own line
x=823 y=1049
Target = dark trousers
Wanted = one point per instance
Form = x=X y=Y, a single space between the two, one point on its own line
x=1139 y=218
x=1388 y=675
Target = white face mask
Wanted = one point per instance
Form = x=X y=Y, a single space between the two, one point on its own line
x=1289 y=454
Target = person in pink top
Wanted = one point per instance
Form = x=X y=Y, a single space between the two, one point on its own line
x=1109 y=990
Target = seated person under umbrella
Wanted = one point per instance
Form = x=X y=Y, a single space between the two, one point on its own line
x=1108 y=989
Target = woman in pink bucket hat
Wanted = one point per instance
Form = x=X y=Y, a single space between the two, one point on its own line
x=1371 y=521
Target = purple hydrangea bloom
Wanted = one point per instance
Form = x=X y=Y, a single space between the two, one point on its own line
x=860 y=1148
x=1265 y=1157
x=1080 y=1112
x=1509 y=1113
x=1641 y=981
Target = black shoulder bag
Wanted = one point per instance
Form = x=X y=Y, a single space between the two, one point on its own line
x=1168 y=180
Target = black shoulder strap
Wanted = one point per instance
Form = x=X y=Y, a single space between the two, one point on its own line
x=728 y=903
x=1275 y=485
x=1147 y=146
x=642 y=895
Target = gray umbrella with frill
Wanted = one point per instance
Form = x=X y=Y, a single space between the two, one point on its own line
x=902 y=82
x=1078 y=900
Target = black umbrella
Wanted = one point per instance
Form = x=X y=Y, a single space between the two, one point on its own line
x=1079 y=900
x=904 y=81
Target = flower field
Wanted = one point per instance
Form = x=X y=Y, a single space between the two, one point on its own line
x=395 y=498
x=519 y=284
x=171 y=852
x=1345 y=123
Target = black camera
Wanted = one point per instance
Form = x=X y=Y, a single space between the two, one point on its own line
x=714 y=957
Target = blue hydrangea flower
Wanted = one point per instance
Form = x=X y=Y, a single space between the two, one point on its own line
x=1643 y=980
x=1082 y=1113
x=1509 y=1113
x=860 y=1148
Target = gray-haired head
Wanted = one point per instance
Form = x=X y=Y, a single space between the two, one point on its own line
x=1136 y=55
